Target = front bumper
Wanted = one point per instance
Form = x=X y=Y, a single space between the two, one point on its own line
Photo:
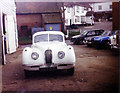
x=45 y=66
x=72 y=39
x=114 y=46
x=87 y=42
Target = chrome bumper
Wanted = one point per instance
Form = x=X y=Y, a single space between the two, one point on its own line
x=38 y=67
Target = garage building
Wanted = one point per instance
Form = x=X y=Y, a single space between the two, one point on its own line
x=8 y=29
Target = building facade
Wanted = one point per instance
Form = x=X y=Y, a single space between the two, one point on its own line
x=42 y=15
x=8 y=28
x=74 y=14
x=102 y=10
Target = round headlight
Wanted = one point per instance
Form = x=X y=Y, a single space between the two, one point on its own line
x=34 y=55
x=61 y=54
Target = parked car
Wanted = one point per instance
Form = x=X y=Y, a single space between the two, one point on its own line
x=114 y=40
x=89 y=40
x=48 y=51
x=103 y=40
x=78 y=39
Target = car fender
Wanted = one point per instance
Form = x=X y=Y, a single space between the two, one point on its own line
x=26 y=56
x=69 y=55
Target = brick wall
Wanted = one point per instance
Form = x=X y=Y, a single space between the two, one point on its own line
x=31 y=20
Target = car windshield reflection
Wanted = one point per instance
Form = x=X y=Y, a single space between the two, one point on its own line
x=83 y=33
x=41 y=38
x=51 y=38
x=106 y=33
x=55 y=37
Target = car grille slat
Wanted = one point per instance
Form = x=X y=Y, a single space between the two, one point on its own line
x=48 y=56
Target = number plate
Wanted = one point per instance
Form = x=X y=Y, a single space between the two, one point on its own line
x=48 y=69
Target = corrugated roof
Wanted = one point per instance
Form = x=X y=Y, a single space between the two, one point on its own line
x=52 y=18
x=36 y=7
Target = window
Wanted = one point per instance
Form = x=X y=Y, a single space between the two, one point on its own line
x=77 y=9
x=66 y=21
x=68 y=10
x=53 y=37
x=99 y=32
x=110 y=6
x=41 y=38
x=77 y=19
x=99 y=7
x=106 y=33
x=85 y=8
x=91 y=33
x=24 y=27
x=82 y=11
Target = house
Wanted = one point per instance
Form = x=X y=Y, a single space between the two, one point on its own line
x=102 y=10
x=75 y=13
x=8 y=28
x=42 y=15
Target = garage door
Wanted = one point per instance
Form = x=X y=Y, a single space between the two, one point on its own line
x=10 y=35
x=53 y=27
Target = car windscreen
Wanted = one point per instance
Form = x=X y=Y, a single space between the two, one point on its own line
x=55 y=37
x=106 y=33
x=115 y=32
x=83 y=33
x=44 y=38
x=41 y=38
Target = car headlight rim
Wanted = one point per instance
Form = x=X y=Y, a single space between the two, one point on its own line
x=34 y=55
x=61 y=54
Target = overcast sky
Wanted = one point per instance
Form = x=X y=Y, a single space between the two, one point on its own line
x=67 y=0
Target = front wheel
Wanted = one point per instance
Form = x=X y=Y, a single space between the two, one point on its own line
x=70 y=71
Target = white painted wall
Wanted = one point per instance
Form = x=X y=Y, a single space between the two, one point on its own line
x=105 y=6
x=8 y=8
x=75 y=14
x=68 y=15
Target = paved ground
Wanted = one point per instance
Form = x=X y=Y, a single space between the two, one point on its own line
x=95 y=70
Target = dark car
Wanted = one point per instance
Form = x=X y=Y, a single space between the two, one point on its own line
x=89 y=40
x=79 y=39
x=103 y=40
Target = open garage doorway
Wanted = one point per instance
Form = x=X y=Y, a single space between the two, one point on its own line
x=2 y=37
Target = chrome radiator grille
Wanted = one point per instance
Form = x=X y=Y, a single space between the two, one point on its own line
x=48 y=56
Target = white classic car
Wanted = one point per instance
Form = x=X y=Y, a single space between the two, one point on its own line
x=48 y=50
